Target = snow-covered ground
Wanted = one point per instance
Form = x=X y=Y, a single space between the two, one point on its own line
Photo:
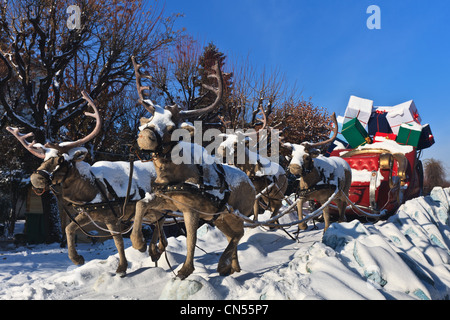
x=405 y=257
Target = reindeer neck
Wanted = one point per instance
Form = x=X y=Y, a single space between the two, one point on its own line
x=249 y=169
x=79 y=188
x=168 y=172
x=310 y=179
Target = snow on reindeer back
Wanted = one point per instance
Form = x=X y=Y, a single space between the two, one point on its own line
x=267 y=167
x=331 y=167
x=192 y=153
x=117 y=175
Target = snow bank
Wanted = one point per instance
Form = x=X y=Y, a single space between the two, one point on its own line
x=405 y=257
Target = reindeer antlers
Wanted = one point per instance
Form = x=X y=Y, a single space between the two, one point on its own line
x=38 y=152
x=183 y=114
x=217 y=91
x=335 y=133
x=140 y=88
x=66 y=146
x=62 y=147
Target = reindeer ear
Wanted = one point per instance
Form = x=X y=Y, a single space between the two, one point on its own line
x=144 y=121
x=288 y=146
x=189 y=127
x=314 y=152
x=79 y=154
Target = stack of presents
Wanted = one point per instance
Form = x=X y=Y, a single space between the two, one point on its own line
x=364 y=124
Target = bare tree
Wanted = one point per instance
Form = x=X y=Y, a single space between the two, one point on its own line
x=434 y=175
x=46 y=64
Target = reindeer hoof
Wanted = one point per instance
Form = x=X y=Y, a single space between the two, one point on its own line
x=140 y=248
x=78 y=260
x=228 y=270
x=184 y=272
x=121 y=271
x=155 y=255
x=302 y=226
x=121 y=274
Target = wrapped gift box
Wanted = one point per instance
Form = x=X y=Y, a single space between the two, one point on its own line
x=340 y=120
x=337 y=144
x=409 y=134
x=378 y=123
x=358 y=108
x=403 y=113
x=355 y=134
x=384 y=136
x=426 y=138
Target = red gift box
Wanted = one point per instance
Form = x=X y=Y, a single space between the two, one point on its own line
x=387 y=136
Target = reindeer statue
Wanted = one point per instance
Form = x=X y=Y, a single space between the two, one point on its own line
x=320 y=176
x=200 y=190
x=97 y=192
x=268 y=177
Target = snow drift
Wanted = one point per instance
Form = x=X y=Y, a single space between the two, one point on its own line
x=405 y=257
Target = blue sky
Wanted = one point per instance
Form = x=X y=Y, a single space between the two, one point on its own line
x=325 y=47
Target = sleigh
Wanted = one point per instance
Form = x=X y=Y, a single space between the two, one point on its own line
x=384 y=176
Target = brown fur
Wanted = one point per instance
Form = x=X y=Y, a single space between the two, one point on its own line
x=194 y=207
x=311 y=179
x=79 y=190
x=274 y=198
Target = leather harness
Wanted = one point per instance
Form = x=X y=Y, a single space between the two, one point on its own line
x=201 y=189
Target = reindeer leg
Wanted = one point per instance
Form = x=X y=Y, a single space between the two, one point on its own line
x=162 y=238
x=153 y=250
x=275 y=207
x=256 y=210
x=137 y=238
x=326 y=216
x=342 y=205
x=191 y=223
x=82 y=220
x=118 y=240
x=233 y=228
x=303 y=225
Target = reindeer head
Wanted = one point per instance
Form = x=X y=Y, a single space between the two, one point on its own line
x=239 y=148
x=58 y=158
x=302 y=155
x=155 y=132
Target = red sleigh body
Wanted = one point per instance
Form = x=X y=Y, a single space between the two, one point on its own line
x=382 y=180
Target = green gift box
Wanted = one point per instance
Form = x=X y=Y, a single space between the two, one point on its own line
x=355 y=134
x=409 y=134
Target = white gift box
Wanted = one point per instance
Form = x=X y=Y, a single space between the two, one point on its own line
x=403 y=113
x=340 y=121
x=358 y=108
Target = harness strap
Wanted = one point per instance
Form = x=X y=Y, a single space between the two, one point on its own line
x=99 y=187
x=302 y=193
x=195 y=189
